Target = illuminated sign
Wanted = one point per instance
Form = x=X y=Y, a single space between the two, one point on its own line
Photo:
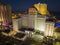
x=57 y=24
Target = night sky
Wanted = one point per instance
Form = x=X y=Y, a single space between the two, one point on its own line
x=23 y=5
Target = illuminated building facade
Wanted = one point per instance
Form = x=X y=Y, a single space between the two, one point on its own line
x=40 y=23
x=5 y=14
x=32 y=11
x=42 y=8
x=28 y=21
x=49 y=28
x=36 y=22
x=15 y=24
x=16 y=15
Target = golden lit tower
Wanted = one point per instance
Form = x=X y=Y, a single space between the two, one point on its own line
x=42 y=8
x=5 y=14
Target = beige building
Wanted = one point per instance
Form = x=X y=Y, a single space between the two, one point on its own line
x=49 y=28
x=28 y=21
x=40 y=23
x=36 y=22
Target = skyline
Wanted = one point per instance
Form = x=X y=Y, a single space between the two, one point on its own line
x=23 y=5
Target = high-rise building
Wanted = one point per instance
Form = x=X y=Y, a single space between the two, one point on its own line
x=5 y=14
x=28 y=21
x=40 y=23
x=49 y=28
x=36 y=22
x=15 y=24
